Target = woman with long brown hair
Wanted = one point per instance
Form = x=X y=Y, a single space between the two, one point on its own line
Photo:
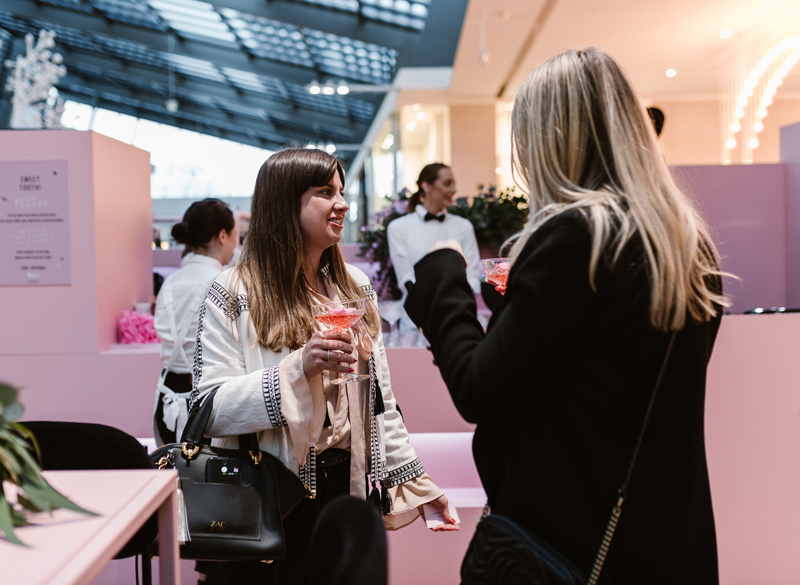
x=614 y=268
x=273 y=364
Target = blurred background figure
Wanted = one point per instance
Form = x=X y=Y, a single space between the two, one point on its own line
x=348 y=545
x=209 y=232
x=427 y=221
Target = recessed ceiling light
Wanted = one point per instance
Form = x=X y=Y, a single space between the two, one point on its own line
x=726 y=33
x=731 y=143
x=670 y=73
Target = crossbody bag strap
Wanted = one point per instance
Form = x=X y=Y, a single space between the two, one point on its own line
x=623 y=489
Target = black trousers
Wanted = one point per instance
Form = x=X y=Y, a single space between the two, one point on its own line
x=332 y=481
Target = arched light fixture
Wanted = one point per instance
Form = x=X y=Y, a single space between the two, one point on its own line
x=753 y=80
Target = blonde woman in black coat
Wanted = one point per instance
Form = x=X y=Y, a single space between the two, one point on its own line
x=613 y=260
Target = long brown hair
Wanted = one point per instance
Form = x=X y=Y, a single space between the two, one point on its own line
x=428 y=174
x=271 y=263
x=582 y=140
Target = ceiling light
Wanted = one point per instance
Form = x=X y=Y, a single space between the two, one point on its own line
x=753 y=143
x=171 y=105
x=670 y=73
x=328 y=89
x=739 y=113
x=411 y=126
x=313 y=87
x=420 y=115
x=330 y=148
x=498 y=171
x=758 y=126
x=735 y=127
x=762 y=113
x=342 y=90
x=725 y=33
x=416 y=107
x=731 y=143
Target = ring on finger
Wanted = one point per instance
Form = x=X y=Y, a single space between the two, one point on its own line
x=329 y=355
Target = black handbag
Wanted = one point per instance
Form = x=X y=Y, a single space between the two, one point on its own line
x=235 y=498
x=503 y=553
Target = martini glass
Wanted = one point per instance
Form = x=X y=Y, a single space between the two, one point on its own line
x=341 y=316
x=496 y=270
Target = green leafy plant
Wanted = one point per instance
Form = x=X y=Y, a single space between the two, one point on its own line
x=19 y=465
x=495 y=217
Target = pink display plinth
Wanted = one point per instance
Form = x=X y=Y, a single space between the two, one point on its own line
x=753 y=448
x=110 y=232
x=422 y=394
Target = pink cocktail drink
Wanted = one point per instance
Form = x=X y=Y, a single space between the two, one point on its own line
x=496 y=270
x=340 y=319
x=341 y=316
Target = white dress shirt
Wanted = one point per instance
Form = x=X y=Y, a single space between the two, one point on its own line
x=411 y=237
x=188 y=285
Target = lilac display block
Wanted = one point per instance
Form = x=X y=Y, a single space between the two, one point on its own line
x=34 y=223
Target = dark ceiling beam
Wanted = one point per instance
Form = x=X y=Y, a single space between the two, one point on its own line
x=284 y=111
x=119 y=98
x=222 y=56
x=328 y=20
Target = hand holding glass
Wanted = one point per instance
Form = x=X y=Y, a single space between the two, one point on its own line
x=341 y=316
x=496 y=270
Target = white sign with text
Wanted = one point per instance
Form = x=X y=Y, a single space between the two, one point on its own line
x=34 y=222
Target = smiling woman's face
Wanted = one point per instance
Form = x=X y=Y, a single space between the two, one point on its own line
x=322 y=211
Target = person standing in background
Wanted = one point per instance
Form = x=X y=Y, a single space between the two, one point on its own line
x=427 y=221
x=209 y=232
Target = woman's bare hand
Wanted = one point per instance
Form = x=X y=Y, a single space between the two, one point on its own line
x=441 y=503
x=324 y=345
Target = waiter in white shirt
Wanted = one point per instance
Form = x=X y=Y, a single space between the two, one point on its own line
x=208 y=229
x=412 y=236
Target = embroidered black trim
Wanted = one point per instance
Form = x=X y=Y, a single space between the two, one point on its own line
x=232 y=306
x=369 y=292
x=197 y=365
x=271 y=387
x=404 y=473
x=326 y=270
x=308 y=472
x=377 y=467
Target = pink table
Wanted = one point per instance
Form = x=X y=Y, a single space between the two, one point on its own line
x=71 y=549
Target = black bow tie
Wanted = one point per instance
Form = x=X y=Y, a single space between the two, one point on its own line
x=429 y=216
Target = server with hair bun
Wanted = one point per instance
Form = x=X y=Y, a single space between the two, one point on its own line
x=209 y=232
x=427 y=222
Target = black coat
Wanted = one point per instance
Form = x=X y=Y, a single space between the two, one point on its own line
x=558 y=387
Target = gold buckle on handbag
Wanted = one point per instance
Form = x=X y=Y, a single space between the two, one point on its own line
x=186 y=452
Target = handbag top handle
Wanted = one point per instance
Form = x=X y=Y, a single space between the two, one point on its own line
x=194 y=431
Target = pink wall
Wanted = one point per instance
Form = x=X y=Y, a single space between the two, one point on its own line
x=745 y=205
x=110 y=232
x=790 y=156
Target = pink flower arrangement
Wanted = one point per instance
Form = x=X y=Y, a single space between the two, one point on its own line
x=137 y=328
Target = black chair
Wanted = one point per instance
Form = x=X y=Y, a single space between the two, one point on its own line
x=89 y=446
x=348 y=545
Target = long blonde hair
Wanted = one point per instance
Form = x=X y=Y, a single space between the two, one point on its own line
x=582 y=140
x=271 y=263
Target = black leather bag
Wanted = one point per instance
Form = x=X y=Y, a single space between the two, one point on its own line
x=235 y=498
x=503 y=553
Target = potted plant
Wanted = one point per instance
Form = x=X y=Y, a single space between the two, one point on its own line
x=19 y=466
